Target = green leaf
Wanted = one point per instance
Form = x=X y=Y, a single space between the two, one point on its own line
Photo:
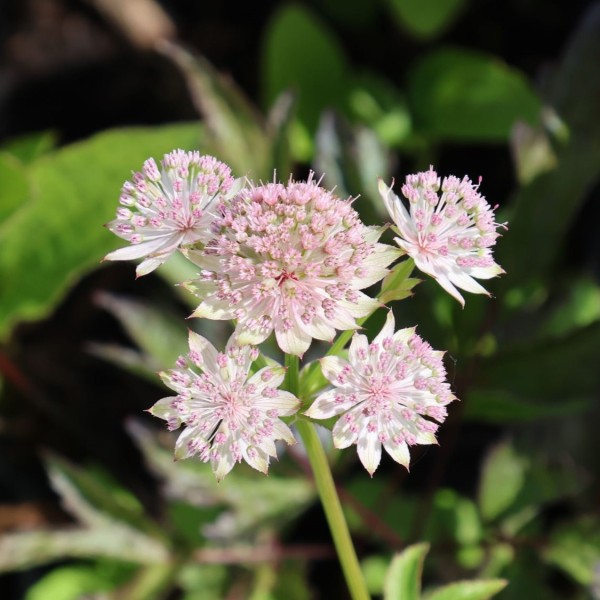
x=575 y=548
x=377 y=103
x=57 y=235
x=292 y=582
x=235 y=129
x=280 y=124
x=188 y=520
x=462 y=95
x=157 y=333
x=503 y=477
x=403 y=580
x=28 y=147
x=150 y=582
x=22 y=551
x=90 y=493
x=248 y=503
x=532 y=152
x=134 y=361
x=74 y=582
x=375 y=569
x=203 y=582
x=397 y=284
x=545 y=210
x=468 y=590
x=516 y=482
x=14 y=187
x=579 y=308
x=426 y=19
x=301 y=54
x=456 y=517
x=549 y=369
x=351 y=160
x=500 y=406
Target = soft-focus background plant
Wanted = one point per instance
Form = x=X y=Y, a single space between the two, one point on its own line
x=91 y=503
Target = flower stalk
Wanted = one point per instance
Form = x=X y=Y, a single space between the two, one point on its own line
x=328 y=494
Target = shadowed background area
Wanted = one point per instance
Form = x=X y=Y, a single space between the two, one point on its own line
x=91 y=503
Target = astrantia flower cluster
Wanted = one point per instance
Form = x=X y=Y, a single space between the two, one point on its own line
x=449 y=236
x=163 y=210
x=390 y=393
x=229 y=415
x=289 y=259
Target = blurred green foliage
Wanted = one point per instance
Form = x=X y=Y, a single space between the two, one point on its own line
x=526 y=361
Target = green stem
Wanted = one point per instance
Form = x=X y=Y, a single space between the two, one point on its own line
x=333 y=511
x=392 y=282
x=328 y=494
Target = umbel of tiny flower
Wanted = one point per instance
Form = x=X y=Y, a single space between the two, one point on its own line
x=229 y=415
x=289 y=259
x=164 y=210
x=390 y=393
x=449 y=235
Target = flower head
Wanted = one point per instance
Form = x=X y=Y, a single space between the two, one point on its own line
x=390 y=392
x=289 y=259
x=229 y=415
x=163 y=210
x=449 y=236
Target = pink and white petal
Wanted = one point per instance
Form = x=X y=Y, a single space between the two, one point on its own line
x=181 y=387
x=399 y=452
x=373 y=232
x=150 y=264
x=267 y=446
x=203 y=351
x=282 y=432
x=267 y=377
x=218 y=310
x=285 y=403
x=387 y=331
x=208 y=262
x=163 y=409
x=256 y=458
x=426 y=438
x=250 y=337
x=358 y=345
x=200 y=288
x=182 y=445
x=460 y=279
x=139 y=250
x=394 y=205
x=319 y=329
x=345 y=433
x=222 y=463
x=328 y=404
x=485 y=272
x=332 y=367
x=403 y=335
x=375 y=264
x=445 y=282
x=362 y=307
x=293 y=341
x=369 y=450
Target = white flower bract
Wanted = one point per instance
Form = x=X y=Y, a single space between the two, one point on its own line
x=289 y=259
x=390 y=393
x=449 y=235
x=164 y=210
x=229 y=415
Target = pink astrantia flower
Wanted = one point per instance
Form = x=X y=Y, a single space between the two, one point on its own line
x=449 y=236
x=229 y=415
x=289 y=259
x=389 y=394
x=163 y=210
